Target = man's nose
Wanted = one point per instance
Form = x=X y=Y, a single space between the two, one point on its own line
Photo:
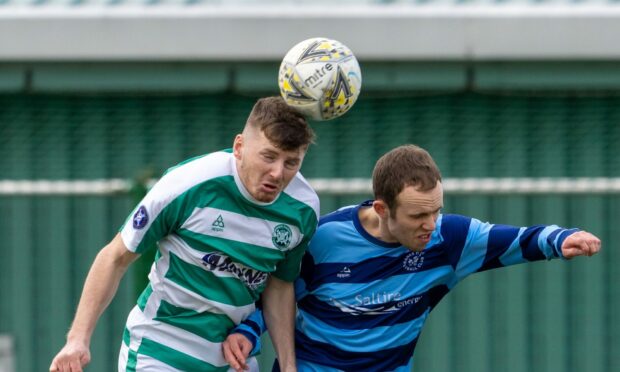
x=430 y=223
x=277 y=170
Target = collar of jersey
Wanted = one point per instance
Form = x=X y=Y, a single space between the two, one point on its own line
x=358 y=226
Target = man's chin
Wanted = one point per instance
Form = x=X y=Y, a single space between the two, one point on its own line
x=416 y=247
x=265 y=197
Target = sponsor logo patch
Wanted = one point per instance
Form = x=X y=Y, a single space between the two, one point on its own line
x=253 y=279
x=375 y=303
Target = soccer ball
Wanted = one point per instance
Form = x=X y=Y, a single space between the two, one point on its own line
x=320 y=77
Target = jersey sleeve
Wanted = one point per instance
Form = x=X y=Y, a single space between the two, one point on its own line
x=288 y=269
x=252 y=328
x=154 y=217
x=488 y=246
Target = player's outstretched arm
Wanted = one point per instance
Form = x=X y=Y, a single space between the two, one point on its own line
x=99 y=288
x=236 y=349
x=279 y=314
x=581 y=243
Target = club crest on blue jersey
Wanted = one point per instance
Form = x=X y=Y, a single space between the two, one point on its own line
x=140 y=218
x=281 y=236
x=413 y=261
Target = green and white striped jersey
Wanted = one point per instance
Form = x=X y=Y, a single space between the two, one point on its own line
x=217 y=247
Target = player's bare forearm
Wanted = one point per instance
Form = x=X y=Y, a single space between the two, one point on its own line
x=279 y=313
x=99 y=288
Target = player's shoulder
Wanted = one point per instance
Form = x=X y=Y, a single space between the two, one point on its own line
x=343 y=214
x=299 y=189
x=453 y=226
x=452 y=222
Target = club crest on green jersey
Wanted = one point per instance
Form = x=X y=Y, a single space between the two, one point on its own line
x=281 y=236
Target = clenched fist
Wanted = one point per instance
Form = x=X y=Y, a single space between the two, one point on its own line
x=581 y=243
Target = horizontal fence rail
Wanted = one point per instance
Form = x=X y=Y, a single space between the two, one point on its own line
x=337 y=186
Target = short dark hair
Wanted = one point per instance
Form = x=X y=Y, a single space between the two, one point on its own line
x=407 y=165
x=284 y=127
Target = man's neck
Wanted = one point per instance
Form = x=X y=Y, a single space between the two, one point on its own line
x=370 y=221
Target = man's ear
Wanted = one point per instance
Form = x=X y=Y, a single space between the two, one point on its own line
x=238 y=146
x=381 y=208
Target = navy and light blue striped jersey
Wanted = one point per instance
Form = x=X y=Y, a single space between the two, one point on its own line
x=362 y=302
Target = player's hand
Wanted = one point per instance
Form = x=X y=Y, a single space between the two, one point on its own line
x=581 y=243
x=236 y=349
x=71 y=358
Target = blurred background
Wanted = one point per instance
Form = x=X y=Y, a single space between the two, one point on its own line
x=517 y=100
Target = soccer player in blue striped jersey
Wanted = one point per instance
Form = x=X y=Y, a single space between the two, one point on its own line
x=373 y=272
x=229 y=226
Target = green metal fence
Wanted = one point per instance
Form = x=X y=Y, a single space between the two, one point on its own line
x=555 y=316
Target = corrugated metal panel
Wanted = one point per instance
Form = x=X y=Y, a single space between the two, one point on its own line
x=541 y=317
x=253 y=78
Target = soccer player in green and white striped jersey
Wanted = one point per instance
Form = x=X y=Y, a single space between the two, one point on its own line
x=229 y=226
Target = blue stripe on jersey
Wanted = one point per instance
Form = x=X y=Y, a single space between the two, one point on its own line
x=352 y=247
x=305 y=275
x=551 y=241
x=403 y=286
x=363 y=316
x=254 y=326
x=329 y=355
x=354 y=340
x=529 y=243
x=513 y=254
x=372 y=269
x=547 y=250
x=306 y=366
x=454 y=230
x=475 y=249
x=500 y=239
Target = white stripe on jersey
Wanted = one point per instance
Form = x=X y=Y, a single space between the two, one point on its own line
x=173 y=337
x=146 y=363
x=240 y=228
x=143 y=362
x=173 y=184
x=301 y=190
x=171 y=292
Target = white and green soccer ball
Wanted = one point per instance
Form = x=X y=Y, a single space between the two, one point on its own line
x=320 y=77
